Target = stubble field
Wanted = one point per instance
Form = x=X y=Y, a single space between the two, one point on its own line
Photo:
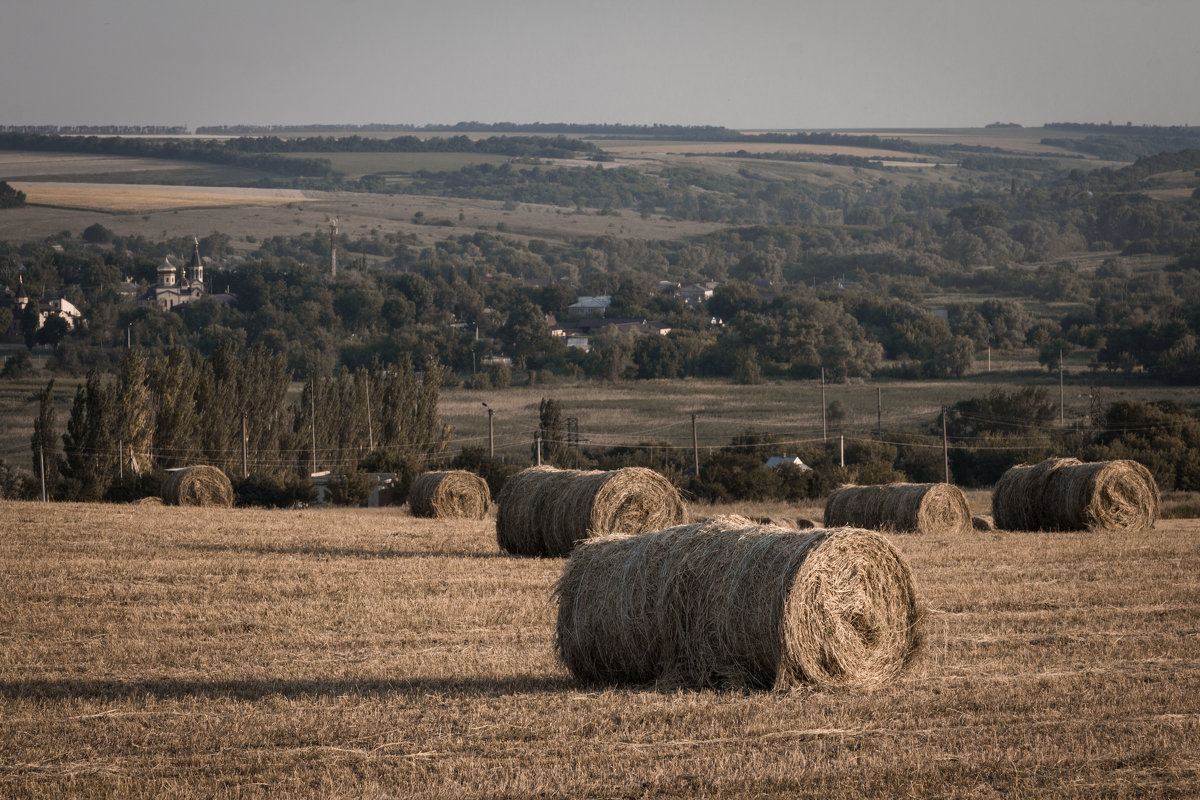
x=156 y=651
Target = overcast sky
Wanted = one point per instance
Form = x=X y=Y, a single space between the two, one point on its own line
x=742 y=64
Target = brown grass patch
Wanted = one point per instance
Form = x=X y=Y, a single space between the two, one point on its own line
x=1065 y=494
x=456 y=494
x=200 y=485
x=136 y=197
x=196 y=653
x=900 y=508
x=731 y=603
x=545 y=510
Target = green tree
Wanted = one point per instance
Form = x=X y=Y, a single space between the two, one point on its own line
x=89 y=458
x=10 y=197
x=552 y=431
x=134 y=420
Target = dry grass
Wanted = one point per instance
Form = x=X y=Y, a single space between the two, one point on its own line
x=456 y=494
x=900 y=508
x=140 y=197
x=730 y=602
x=197 y=653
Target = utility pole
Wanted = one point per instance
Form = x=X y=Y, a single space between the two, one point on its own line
x=945 y=446
x=42 y=464
x=695 y=447
x=1062 y=409
x=312 y=400
x=333 y=232
x=537 y=440
x=245 y=466
x=370 y=426
x=121 y=459
x=491 y=433
x=824 y=429
x=842 y=461
x=879 y=411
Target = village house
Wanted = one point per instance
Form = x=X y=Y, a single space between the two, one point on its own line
x=48 y=306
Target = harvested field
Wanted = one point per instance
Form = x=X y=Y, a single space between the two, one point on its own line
x=197 y=653
x=123 y=197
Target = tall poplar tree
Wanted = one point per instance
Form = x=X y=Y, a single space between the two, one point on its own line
x=43 y=442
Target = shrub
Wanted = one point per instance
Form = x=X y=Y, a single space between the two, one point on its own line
x=271 y=491
x=351 y=489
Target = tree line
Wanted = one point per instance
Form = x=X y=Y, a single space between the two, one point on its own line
x=231 y=410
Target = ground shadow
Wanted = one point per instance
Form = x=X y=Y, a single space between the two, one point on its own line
x=335 y=552
x=174 y=689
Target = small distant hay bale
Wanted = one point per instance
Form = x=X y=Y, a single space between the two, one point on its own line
x=900 y=508
x=727 y=603
x=198 y=486
x=544 y=511
x=149 y=501
x=456 y=494
x=1065 y=494
x=778 y=522
x=805 y=524
x=982 y=523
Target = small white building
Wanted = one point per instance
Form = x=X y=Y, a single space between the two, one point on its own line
x=776 y=462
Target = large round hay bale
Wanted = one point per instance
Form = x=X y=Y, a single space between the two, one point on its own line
x=1065 y=494
x=900 y=508
x=198 y=486
x=545 y=511
x=730 y=603
x=456 y=494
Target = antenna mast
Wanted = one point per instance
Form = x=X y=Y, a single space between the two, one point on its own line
x=333 y=232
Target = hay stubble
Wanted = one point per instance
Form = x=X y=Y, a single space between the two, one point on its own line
x=197 y=653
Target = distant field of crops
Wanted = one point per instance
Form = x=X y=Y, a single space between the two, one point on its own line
x=148 y=197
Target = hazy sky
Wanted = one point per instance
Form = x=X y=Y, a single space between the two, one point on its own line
x=738 y=63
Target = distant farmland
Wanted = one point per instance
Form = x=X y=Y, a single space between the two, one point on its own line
x=119 y=197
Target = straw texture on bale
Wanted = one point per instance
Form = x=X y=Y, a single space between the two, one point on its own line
x=456 y=494
x=727 y=603
x=1065 y=494
x=544 y=511
x=900 y=508
x=198 y=486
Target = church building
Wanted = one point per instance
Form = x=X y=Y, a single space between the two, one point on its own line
x=177 y=286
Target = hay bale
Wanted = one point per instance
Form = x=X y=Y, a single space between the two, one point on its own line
x=778 y=522
x=805 y=524
x=198 y=486
x=456 y=494
x=982 y=523
x=545 y=511
x=900 y=508
x=729 y=603
x=1065 y=494
x=149 y=501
